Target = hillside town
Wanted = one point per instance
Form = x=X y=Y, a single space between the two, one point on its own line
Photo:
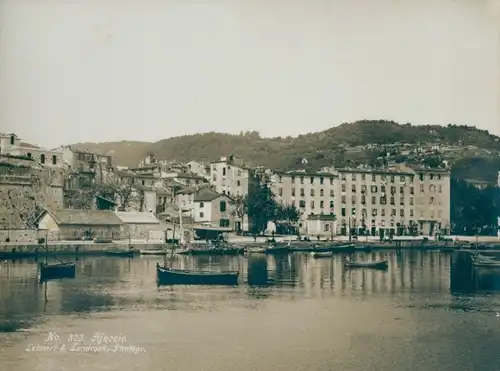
x=69 y=194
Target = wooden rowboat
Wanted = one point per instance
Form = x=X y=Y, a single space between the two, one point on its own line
x=382 y=264
x=255 y=250
x=59 y=270
x=278 y=250
x=125 y=253
x=169 y=276
x=318 y=255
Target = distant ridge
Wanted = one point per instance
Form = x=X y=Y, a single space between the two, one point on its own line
x=322 y=148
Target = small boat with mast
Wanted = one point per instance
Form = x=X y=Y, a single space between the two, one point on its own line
x=57 y=270
x=169 y=276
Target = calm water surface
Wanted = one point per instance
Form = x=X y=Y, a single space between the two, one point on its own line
x=428 y=311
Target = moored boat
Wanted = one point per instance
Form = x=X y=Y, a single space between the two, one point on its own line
x=118 y=252
x=59 y=270
x=381 y=264
x=284 y=249
x=170 y=276
x=486 y=263
x=255 y=250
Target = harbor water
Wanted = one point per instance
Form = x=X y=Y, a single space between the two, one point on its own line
x=427 y=311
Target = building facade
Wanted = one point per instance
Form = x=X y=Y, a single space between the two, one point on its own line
x=11 y=144
x=213 y=208
x=311 y=193
x=229 y=176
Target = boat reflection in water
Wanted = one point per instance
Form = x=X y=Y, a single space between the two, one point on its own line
x=469 y=279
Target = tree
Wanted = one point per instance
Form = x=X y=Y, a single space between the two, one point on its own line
x=239 y=205
x=261 y=207
x=289 y=215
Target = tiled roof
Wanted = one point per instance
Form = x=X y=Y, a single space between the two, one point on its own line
x=135 y=217
x=186 y=191
x=85 y=217
x=205 y=194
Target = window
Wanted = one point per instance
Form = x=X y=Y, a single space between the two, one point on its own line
x=374 y=200
x=143 y=182
x=383 y=200
x=312 y=192
x=238 y=183
x=401 y=212
x=343 y=211
x=392 y=179
x=353 y=199
x=382 y=189
x=214 y=178
x=412 y=190
x=411 y=201
x=422 y=188
x=374 y=177
x=42 y=158
x=302 y=192
x=353 y=188
x=353 y=176
x=402 y=178
x=412 y=212
x=280 y=191
x=321 y=180
x=293 y=179
x=312 y=204
x=432 y=176
x=331 y=204
x=301 y=180
x=331 y=181
x=343 y=187
x=402 y=201
x=402 y=190
x=363 y=177
x=374 y=212
x=331 y=193
x=343 y=176
x=202 y=215
x=239 y=174
x=54 y=160
x=321 y=204
x=312 y=180
x=440 y=188
x=392 y=201
x=202 y=204
x=223 y=171
x=363 y=199
x=302 y=203
x=431 y=200
x=326 y=227
x=222 y=206
x=29 y=154
x=393 y=189
x=363 y=189
x=343 y=199
x=382 y=212
x=421 y=176
x=293 y=192
x=321 y=192
x=293 y=202
x=439 y=176
x=374 y=189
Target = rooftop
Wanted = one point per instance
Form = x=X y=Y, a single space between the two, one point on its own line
x=84 y=217
x=136 y=217
x=205 y=195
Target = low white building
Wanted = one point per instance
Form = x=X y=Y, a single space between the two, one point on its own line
x=213 y=208
x=10 y=144
x=140 y=225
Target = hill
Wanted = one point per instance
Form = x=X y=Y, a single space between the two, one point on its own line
x=358 y=142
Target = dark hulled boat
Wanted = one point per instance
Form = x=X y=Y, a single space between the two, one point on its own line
x=53 y=271
x=278 y=249
x=124 y=253
x=169 y=276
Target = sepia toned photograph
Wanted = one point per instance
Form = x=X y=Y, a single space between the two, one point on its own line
x=250 y=185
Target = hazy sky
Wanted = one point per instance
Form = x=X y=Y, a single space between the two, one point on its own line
x=105 y=70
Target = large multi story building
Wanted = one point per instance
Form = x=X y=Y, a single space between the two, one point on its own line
x=230 y=176
x=389 y=202
x=367 y=201
x=312 y=193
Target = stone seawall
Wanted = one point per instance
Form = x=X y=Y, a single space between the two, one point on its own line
x=30 y=250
